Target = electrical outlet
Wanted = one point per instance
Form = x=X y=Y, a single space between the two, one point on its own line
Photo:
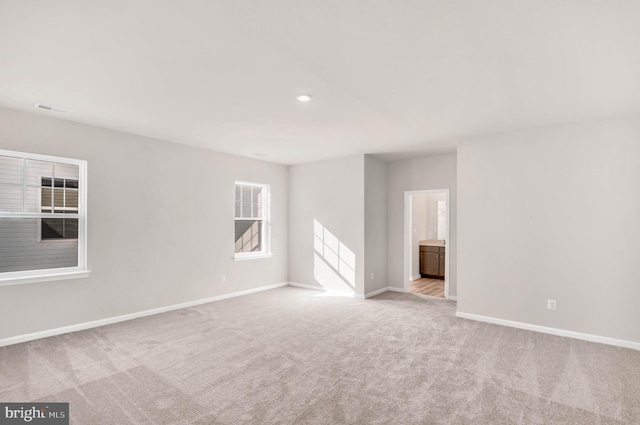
x=373 y=276
x=551 y=304
x=223 y=279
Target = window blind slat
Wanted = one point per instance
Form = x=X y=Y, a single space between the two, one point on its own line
x=11 y=197
x=36 y=170
x=11 y=170
x=249 y=202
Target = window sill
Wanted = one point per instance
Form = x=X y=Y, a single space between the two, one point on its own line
x=243 y=257
x=43 y=278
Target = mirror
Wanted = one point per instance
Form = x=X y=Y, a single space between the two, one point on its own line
x=430 y=216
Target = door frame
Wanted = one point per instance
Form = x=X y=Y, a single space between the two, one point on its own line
x=408 y=220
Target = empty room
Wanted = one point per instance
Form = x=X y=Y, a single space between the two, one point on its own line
x=319 y=212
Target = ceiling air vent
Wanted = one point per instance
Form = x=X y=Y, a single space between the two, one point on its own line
x=50 y=108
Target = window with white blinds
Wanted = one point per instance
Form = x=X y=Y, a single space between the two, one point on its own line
x=251 y=219
x=42 y=215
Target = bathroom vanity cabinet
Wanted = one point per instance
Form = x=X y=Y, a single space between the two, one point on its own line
x=432 y=261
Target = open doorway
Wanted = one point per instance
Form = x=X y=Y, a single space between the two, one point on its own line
x=426 y=256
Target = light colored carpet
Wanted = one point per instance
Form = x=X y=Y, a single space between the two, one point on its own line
x=290 y=356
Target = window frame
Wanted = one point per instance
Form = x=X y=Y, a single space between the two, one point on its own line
x=39 y=238
x=265 y=230
x=60 y=273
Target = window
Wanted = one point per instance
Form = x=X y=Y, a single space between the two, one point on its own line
x=59 y=195
x=252 y=221
x=42 y=218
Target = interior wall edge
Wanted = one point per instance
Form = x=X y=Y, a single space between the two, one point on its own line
x=551 y=331
x=130 y=316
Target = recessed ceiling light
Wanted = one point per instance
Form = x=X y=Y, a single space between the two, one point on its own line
x=50 y=108
x=304 y=97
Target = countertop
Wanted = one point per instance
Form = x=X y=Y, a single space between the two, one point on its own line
x=432 y=243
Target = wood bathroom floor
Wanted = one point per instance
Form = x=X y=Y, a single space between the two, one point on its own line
x=424 y=286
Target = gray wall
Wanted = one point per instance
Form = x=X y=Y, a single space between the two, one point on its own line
x=375 y=223
x=528 y=202
x=161 y=225
x=434 y=172
x=332 y=193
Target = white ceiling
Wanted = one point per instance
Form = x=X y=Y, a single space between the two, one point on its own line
x=395 y=77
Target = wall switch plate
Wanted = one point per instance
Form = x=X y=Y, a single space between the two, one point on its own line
x=223 y=279
x=551 y=304
x=373 y=276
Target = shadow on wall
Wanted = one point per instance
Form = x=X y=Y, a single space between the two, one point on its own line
x=334 y=265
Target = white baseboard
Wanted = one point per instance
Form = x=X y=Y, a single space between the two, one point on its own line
x=319 y=288
x=329 y=292
x=553 y=331
x=415 y=277
x=374 y=293
x=394 y=289
x=111 y=320
x=305 y=286
x=453 y=298
x=369 y=295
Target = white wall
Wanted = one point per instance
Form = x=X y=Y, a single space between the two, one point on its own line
x=375 y=223
x=432 y=216
x=434 y=172
x=528 y=202
x=420 y=229
x=331 y=193
x=161 y=225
